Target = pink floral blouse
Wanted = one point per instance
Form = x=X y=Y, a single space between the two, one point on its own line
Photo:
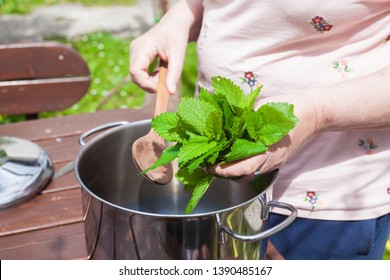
x=296 y=44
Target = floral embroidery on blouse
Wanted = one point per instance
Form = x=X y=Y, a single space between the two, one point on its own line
x=312 y=198
x=368 y=145
x=388 y=190
x=342 y=68
x=250 y=79
x=320 y=24
x=387 y=40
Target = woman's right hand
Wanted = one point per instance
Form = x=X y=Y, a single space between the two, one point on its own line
x=167 y=40
x=160 y=42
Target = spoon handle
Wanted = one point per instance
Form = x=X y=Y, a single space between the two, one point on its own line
x=162 y=96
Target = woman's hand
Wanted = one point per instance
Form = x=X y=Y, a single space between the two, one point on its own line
x=167 y=40
x=309 y=123
x=160 y=42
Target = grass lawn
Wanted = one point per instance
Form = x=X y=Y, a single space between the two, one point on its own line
x=26 y=6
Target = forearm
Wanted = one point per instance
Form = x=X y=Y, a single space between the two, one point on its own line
x=362 y=103
x=186 y=14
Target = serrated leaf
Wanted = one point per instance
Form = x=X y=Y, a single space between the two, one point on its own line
x=278 y=120
x=214 y=125
x=243 y=148
x=207 y=96
x=198 y=182
x=209 y=157
x=270 y=134
x=195 y=138
x=252 y=97
x=187 y=178
x=191 y=150
x=215 y=152
x=233 y=93
x=228 y=116
x=236 y=128
x=194 y=112
x=254 y=123
x=166 y=125
x=198 y=192
x=220 y=127
x=234 y=124
x=168 y=155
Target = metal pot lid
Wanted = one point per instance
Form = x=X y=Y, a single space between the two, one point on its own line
x=25 y=170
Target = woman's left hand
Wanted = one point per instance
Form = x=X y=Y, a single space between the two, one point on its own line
x=306 y=110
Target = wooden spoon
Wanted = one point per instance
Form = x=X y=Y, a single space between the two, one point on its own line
x=147 y=149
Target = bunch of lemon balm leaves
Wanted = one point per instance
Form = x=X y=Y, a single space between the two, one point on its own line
x=218 y=127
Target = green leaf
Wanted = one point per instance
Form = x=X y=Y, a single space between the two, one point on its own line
x=228 y=116
x=199 y=190
x=233 y=93
x=252 y=97
x=243 y=148
x=214 y=125
x=167 y=156
x=254 y=124
x=192 y=149
x=199 y=181
x=219 y=127
x=236 y=127
x=166 y=125
x=207 y=96
x=278 y=120
x=194 y=112
x=210 y=156
x=188 y=178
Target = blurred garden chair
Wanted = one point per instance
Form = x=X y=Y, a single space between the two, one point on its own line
x=39 y=77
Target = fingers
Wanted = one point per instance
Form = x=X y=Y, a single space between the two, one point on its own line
x=245 y=169
x=140 y=60
x=175 y=67
x=140 y=63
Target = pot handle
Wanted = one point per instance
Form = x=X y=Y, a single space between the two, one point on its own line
x=266 y=233
x=97 y=129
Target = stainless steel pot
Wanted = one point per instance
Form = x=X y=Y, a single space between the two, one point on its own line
x=128 y=217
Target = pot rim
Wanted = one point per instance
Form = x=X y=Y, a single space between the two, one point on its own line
x=194 y=215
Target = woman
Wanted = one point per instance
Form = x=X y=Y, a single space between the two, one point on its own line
x=331 y=60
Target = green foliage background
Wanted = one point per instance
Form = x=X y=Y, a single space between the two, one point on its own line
x=26 y=6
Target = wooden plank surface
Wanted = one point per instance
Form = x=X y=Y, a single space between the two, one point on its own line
x=32 y=96
x=43 y=129
x=39 y=61
x=65 y=242
x=39 y=77
x=50 y=226
x=66 y=182
x=44 y=211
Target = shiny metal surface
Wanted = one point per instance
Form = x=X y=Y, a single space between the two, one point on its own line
x=85 y=135
x=25 y=170
x=129 y=217
x=64 y=170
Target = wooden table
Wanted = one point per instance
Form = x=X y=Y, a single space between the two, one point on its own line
x=50 y=226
